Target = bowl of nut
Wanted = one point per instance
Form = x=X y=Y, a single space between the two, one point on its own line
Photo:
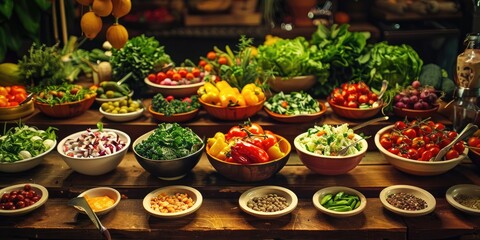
x=268 y=201
x=173 y=201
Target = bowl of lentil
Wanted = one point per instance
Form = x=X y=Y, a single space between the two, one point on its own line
x=268 y=201
x=339 y=201
x=465 y=197
x=101 y=199
x=408 y=201
x=172 y=201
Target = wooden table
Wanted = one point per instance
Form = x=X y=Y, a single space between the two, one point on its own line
x=220 y=217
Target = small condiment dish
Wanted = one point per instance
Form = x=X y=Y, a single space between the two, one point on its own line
x=469 y=194
x=40 y=190
x=320 y=194
x=192 y=193
x=415 y=191
x=101 y=192
x=263 y=191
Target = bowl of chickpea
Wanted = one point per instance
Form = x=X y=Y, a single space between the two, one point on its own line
x=172 y=201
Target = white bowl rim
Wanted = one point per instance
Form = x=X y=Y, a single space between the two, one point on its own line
x=411 y=189
x=137 y=112
x=384 y=151
x=32 y=158
x=62 y=153
x=178 y=87
x=243 y=199
x=303 y=150
x=40 y=202
x=333 y=189
x=173 y=188
x=99 y=99
x=449 y=195
x=137 y=141
x=113 y=190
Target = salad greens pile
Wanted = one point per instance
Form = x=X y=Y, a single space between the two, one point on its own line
x=169 y=106
x=23 y=142
x=327 y=140
x=293 y=103
x=169 y=141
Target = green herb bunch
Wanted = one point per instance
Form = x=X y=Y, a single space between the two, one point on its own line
x=172 y=105
x=140 y=56
x=42 y=66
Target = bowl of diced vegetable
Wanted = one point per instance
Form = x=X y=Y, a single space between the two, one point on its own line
x=318 y=149
x=171 y=109
x=339 y=201
x=109 y=148
x=64 y=101
x=35 y=144
x=294 y=107
x=178 y=82
x=168 y=152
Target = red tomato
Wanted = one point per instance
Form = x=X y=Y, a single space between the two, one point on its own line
x=412 y=153
x=451 y=154
x=426 y=155
x=170 y=73
x=338 y=98
x=254 y=128
x=202 y=63
x=394 y=150
x=400 y=125
x=20 y=97
x=363 y=99
x=473 y=141
x=386 y=142
x=352 y=104
x=452 y=135
x=351 y=90
x=373 y=96
x=222 y=60
x=190 y=76
x=151 y=77
x=352 y=97
x=211 y=55
x=410 y=133
x=434 y=150
x=439 y=126
x=196 y=72
x=177 y=77
x=459 y=146
x=425 y=129
x=183 y=72
x=17 y=89
x=362 y=88
x=161 y=76
x=418 y=142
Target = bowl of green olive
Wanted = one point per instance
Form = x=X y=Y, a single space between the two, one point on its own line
x=122 y=110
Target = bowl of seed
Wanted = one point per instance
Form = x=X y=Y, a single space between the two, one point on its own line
x=268 y=201
x=465 y=197
x=408 y=201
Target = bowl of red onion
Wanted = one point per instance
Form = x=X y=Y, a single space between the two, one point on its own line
x=416 y=101
x=94 y=151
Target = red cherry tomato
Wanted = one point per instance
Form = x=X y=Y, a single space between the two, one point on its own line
x=473 y=141
x=451 y=154
x=459 y=146
x=426 y=155
x=386 y=142
x=400 y=125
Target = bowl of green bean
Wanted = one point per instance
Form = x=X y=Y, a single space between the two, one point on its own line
x=339 y=201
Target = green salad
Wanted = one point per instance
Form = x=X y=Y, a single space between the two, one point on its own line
x=327 y=140
x=293 y=103
x=169 y=141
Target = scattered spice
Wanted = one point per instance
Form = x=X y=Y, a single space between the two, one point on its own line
x=468 y=201
x=165 y=203
x=268 y=203
x=406 y=201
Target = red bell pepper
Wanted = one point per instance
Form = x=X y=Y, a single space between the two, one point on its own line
x=252 y=153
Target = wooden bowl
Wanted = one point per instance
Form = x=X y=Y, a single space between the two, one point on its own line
x=178 y=117
x=292 y=84
x=66 y=110
x=414 y=114
x=232 y=113
x=17 y=112
x=301 y=118
x=354 y=113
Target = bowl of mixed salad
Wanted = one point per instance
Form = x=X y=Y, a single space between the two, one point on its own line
x=294 y=107
x=171 y=109
x=23 y=147
x=94 y=151
x=320 y=149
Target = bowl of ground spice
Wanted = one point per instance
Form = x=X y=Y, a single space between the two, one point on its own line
x=268 y=201
x=408 y=201
x=465 y=197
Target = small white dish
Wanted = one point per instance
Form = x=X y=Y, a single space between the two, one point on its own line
x=262 y=191
x=416 y=191
x=39 y=189
x=102 y=100
x=465 y=190
x=122 y=117
x=170 y=191
x=101 y=192
x=318 y=196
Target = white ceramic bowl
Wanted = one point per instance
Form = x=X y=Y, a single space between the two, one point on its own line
x=416 y=191
x=176 y=91
x=25 y=164
x=101 y=192
x=39 y=189
x=317 y=197
x=415 y=167
x=171 y=190
x=467 y=190
x=96 y=165
x=329 y=165
x=262 y=191
x=122 y=117
x=102 y=100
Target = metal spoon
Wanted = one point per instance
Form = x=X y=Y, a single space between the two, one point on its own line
x=82 y=203
x=29 y=96
x=383 y=89
x=344 y=150
x=361 y=125
x=468 y=130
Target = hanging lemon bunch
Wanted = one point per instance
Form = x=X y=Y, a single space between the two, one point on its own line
x=91 y=22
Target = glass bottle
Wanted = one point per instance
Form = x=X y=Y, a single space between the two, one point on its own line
x=466 y=106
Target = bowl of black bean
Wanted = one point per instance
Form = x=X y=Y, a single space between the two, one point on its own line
x=408 y=201
x=268 y=201
x=339 y=201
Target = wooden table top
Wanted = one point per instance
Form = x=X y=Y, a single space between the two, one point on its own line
x=220 y=216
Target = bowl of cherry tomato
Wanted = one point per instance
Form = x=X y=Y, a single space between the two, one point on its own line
x=474 y=149
x=355 y=101
x=411 y=147
x=247 y=153
x=177 y=82
x=11 y=106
